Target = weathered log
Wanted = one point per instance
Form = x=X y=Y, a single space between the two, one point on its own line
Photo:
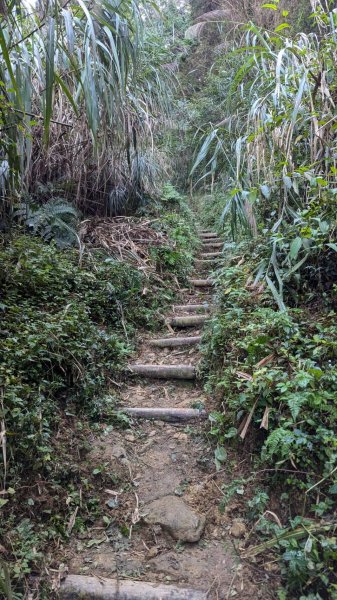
x=173 y=342
x=201 y=282
x=164 y=371
x=211 y=255
x=174 y=415
x=188 y=321
x=206 y=235
x=205 y=262
x=213 y=244
x=197 y=308
x=76 y=587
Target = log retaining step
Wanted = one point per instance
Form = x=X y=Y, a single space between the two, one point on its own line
x=206 y=235
x=173 y=415
x=83 y=587
x=164 y=371
x=198 y=308
x=189 y=321
x=205 y=262
x=201 y=282
x=208 y=255
x=213 y=244
x=173 y=342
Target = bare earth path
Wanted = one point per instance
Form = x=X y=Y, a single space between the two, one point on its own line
x=179 y=545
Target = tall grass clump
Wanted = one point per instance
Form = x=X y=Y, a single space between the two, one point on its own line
x=81 y=88
x=273 y=152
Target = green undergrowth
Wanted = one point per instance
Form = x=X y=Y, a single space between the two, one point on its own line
x=275 y=376
x=175 y=218
x=68 y=320
x=209 y=209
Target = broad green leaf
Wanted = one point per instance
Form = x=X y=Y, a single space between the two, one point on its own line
x=277 y=296
x=295 y=247
x=281 y=27
x=220 y=454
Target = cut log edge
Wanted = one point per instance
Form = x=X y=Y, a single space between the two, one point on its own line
x=178 y=415
x=86 y=587
x=187 y=321
x=171 y=342
x=163 y=371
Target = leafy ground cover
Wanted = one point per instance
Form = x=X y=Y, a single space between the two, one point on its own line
x=265 y=122
x=67 y=325
x=274 y=374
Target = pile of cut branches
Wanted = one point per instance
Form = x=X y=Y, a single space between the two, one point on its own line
x=126 y=238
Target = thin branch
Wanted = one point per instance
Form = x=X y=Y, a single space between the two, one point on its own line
x=40 y=117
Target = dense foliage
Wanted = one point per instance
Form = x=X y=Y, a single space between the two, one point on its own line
x=67 y=323
x=87 y=126
x=266 y=158
x=276 y=372
x=82 y=86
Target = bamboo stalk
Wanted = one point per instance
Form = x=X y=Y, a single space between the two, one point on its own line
x=173 y=342
x=94 y=588
x=164 y=371
x=177 y=415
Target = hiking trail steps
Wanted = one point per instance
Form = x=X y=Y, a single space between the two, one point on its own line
x=173 y=493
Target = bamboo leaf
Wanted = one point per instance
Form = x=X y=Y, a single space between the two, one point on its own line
x=50 y=72
x=277 y=297
x=281 y=27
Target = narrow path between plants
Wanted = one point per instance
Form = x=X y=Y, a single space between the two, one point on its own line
x=165 y=536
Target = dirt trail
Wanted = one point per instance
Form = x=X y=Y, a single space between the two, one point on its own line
x=173 y=465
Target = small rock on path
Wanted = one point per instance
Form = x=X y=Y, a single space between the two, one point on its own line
x=173 y=515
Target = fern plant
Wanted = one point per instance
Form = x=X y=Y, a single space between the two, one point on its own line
x=54 y=220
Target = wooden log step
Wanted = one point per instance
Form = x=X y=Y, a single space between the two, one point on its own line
x=208 y=255
x=173 y=342
x=164 y=371
x=206 y=235
x=84 y=587
x=197 y=308
x=215 y=244
x=188 y=321
x=201 y=282
x=173 y=415
x=205 y=262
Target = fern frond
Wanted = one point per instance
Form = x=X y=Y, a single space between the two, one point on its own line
x=278 y=442
x=295 y=402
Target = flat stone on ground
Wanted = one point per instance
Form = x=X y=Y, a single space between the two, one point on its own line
x=174 y=516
